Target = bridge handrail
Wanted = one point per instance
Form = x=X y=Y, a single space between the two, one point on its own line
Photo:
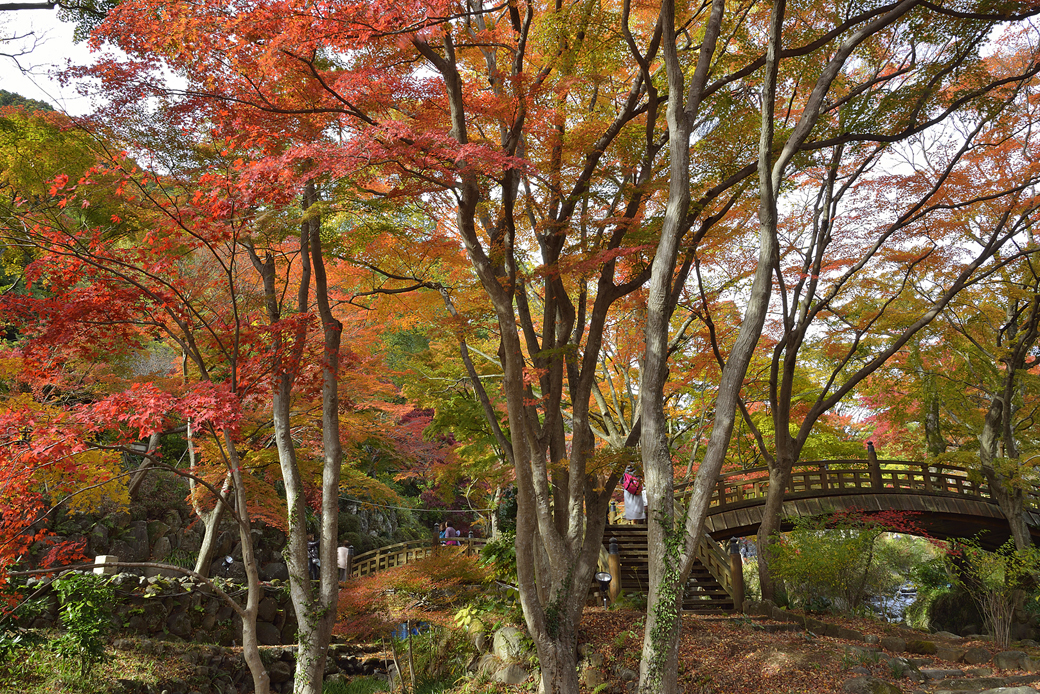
x=815 y=465
x=403 y=553
x=851 y=476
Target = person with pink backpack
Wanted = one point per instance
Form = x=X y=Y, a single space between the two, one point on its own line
x=635 y=501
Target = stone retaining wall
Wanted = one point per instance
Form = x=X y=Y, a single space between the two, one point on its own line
x=185 y=609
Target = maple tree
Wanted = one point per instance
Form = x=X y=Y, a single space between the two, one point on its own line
x=109 y=288
x=174 y=266
x=534 y=138
x=542 y=140
x=855 y=317
x=970 y=386
x=830 y=79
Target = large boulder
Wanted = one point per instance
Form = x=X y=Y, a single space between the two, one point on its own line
x=161 y=549
x=179 y=624
x=977 y=655
x=276 y=570
x=511 y=673
x=268 y=634
x=156 y=529
x=952 y=655
x=1010 y=660
x=508 y=644
x=893 y=644
x=591 y=677
x=267 y=610
x=98 y=539
x=280 y=671
x=920 y=647
x=137 y=537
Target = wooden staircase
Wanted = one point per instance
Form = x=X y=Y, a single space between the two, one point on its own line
x=708 y=589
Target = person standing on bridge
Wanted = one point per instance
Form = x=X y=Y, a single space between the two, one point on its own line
x=635 y=502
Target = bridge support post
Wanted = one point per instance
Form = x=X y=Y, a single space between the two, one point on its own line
x=875 y=468
x=736 y=575
x=614 y=566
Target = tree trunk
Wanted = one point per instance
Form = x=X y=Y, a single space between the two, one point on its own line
x=142 y=471
x=779 y=478
x=558 y=662
x=316 y=604
x=250 y=642
x=210 y=519
x=211 y=524
x=1010 y=499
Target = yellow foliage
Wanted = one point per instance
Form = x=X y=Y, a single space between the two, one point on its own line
x=98 y=486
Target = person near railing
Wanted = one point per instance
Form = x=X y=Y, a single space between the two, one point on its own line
x=635 y=502
x=451 y=534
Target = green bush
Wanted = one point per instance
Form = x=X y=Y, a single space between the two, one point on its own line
x=996 y=581
x=86 y=606
x=837 y=561
x=440 y=657
x=499 y=554
x=752 y=586
x=933 y=582
x=13 y=636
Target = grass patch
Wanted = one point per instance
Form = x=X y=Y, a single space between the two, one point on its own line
x=358 y=685
x=40 y=670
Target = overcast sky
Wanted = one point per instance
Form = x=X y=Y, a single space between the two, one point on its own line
x=54 y=49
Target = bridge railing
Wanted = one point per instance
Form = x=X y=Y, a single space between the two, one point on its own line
x=848 y=477
x=407 y=552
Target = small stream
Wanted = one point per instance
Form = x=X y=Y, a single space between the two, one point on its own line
x=893 y=607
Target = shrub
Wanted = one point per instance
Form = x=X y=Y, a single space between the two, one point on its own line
x=839 y=560
x=995 y=581
x=934 y=582
x=499 y=556
x=358 y=685
x=13 y=636
x=86 y=605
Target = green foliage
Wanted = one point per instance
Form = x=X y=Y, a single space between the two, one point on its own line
x=630 y=601
x=837 y=561
x=933 y=581
x=13 y=637
x=86 y=605
x=499 y=555
x=491 y=611
x=995 y=581
x=358 y=685
x=12 y=99
x=752 y=584
x=440 y=656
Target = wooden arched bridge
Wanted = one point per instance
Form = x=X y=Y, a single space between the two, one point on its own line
x=946 y=501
